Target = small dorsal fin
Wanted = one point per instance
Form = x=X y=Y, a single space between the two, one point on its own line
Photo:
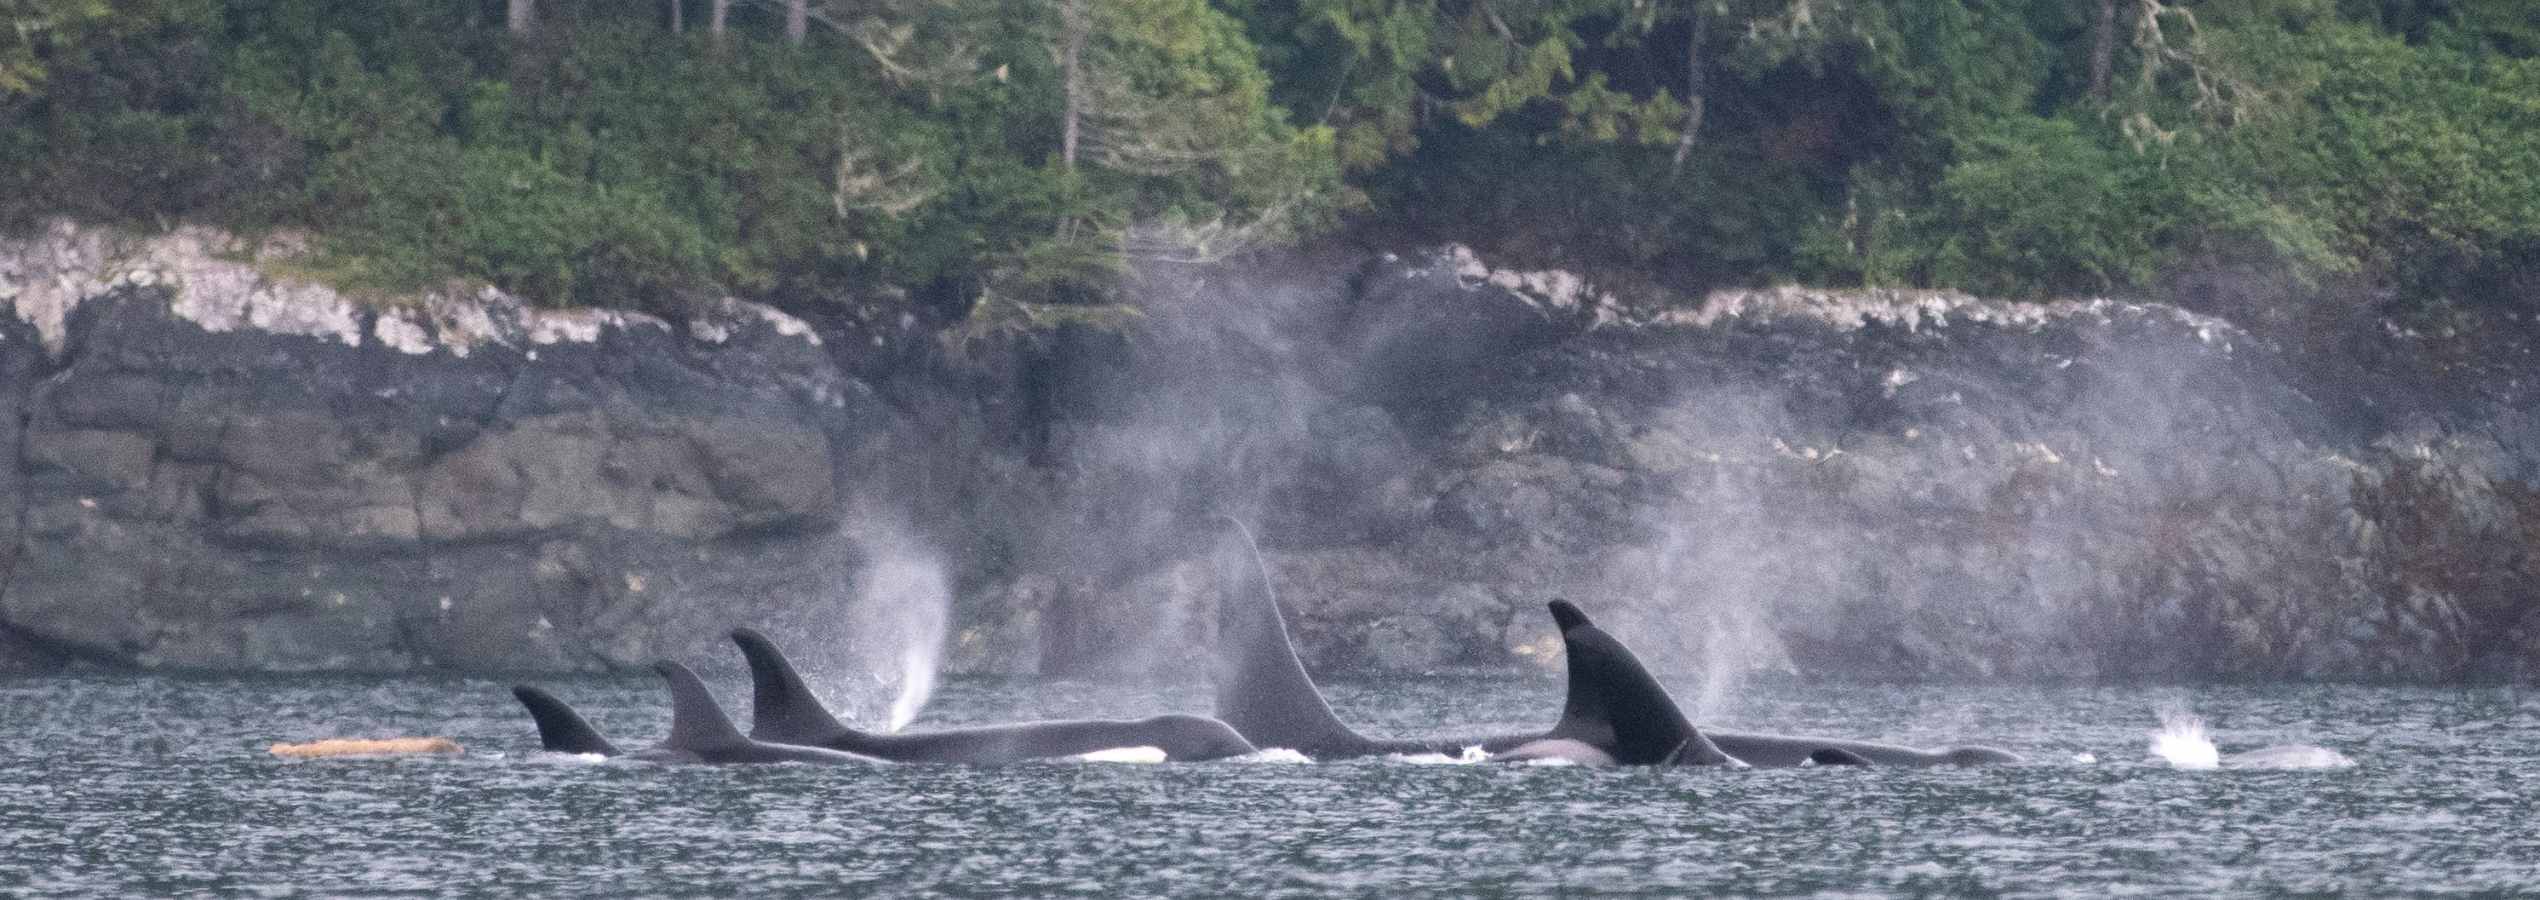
x=560 y=729
x=783 y=708
x=696 y=721
x=1262 y=688
x=1613 y=703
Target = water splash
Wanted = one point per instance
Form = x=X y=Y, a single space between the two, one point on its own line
x=2182 y=742
x=1469 y=756
x=543 y=757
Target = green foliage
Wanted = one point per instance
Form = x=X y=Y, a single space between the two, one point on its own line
x=37 y=29
x=2421 y=162
x=605 y=161
x=917 y=143
x=2040 y=204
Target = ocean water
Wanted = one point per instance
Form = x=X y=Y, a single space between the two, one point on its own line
x=161 y=786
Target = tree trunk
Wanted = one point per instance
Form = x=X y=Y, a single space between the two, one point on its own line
x=722 y=12
x=521 y=15
x=797 y=21
x=1697 y=88
x=678 y=21
x=1073 y=23
x=2103 y=48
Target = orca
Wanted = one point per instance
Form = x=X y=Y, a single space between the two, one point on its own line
x=784 y=709
x=560 y=729
x=1791 y=750
x=2288 y=756
x=1616 y=714
x=1836 y=756
x=700 y=732
x=1264 y=692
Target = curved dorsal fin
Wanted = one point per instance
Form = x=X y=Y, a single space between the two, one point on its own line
x=782 y=708
x=1616 y=705
x=560 y=729
x=696 y=721
x=1262 y=688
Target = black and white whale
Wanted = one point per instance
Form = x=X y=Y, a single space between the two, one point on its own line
x=560 y=729
x=1264 y=692
x=1616 y=714
x=700 y=732
x=1836 y=756
x=784 y=709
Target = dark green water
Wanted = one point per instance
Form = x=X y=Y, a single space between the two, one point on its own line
x=131 y=786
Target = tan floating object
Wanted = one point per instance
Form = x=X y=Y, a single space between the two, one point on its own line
x=355 y=747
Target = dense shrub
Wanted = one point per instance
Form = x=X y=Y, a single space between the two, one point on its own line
x=601 y=158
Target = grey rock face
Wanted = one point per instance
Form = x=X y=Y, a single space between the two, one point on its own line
x=216 y=469
x=503 y=489
x=1864 y=483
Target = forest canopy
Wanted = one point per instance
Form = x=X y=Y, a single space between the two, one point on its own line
x=985 y=155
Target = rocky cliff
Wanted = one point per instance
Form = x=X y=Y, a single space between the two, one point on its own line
x=226 y=468
x=215 y=468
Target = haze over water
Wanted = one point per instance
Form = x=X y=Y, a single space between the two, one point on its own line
x=116 y=785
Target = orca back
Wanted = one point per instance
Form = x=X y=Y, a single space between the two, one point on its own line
x=560 y=729
x=1836 y=756
x=782 y=707
x=1614 y=703
x=1262 y=688
x=697 y=723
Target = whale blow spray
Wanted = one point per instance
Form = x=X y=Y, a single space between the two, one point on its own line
x=895 y=623
x=907 y=593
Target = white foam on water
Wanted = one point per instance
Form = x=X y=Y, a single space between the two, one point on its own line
x=2085 y=758
x=1123 y=755
x=544 y=757
x=1469 y=756
x=2182 y=743
x=1275 y=755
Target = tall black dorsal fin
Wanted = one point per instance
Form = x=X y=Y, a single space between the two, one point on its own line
x=1262 y=688
x=696 y=721
x=782 y=708
x=1614 y=704
x=560 y=729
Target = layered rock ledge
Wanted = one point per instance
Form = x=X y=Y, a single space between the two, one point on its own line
x=222 y=467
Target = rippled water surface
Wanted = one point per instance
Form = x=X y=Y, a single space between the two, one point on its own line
x=158 y=786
